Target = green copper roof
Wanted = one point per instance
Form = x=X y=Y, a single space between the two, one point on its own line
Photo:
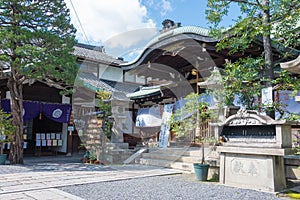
x=192 y=29
x=180 y=30
x=144 y=92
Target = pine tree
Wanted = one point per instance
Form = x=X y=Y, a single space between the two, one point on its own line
x=36 y=43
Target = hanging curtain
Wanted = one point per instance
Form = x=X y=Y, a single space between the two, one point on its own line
x=57 y=112
x=30 y=110
x=5 y=103
x=149 y=117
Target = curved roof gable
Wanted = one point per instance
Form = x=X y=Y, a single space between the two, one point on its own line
x=192 y=32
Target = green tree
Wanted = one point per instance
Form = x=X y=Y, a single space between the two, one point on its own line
x=193 y=114
x=105 y=105
x=184 y=120
x=36 y=43
x=259 y=20
x=6 y=129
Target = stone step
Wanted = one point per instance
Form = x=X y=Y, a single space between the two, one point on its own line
x=165 y=163
x=187 y=167
x=159 y=156
x=194 y=152
x=173 y=150
x=190 y=159
x=135 y=156
x=178 y=158
x=177 y=154
x=175 y=158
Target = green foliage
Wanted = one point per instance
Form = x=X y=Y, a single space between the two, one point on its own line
x=103 y=94
x=293 y=117
x=193 y=107
x=239 y=78
x=37 y=40
x=242 y=79
x=104 y=105
x=191 y=116
x=286 y=81
x=250 y=24
x=247 y=75
x=6 y=129
x=92 y=155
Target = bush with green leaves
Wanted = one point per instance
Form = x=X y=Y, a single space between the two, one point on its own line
x=190 y=117
x=274 y=38
x=194 y=113
x=6 y=129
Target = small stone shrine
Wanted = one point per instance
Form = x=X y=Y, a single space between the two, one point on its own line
x=252 y=156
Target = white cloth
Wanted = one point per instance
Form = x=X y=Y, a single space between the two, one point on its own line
x=149 y=117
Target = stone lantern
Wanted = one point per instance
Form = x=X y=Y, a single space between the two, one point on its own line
x=294 y=67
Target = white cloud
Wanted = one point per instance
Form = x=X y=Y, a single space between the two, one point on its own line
x=129 y=41
x=102 y=20
x=149 y=2
x=166 y=7
x=161 y=6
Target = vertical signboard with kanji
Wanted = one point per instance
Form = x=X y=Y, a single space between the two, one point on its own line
x=165 y=128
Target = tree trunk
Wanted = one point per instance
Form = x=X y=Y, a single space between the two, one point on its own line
x=268 y=54
x=16 y=103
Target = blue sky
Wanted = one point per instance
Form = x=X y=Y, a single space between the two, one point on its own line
x=126 y=26
x=188 y=12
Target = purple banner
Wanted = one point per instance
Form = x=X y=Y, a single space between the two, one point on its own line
x=5 y=103
x=57 y=112
x=30 y=110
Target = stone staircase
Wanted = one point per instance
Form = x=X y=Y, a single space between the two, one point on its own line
x=180 y=158
x=116 y=153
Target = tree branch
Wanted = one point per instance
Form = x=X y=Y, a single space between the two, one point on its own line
x=246 y=2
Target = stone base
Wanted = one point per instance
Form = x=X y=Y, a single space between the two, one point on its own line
x=292 y=172
x=292 y=162
x=250 y=171
x=213 y=173
x=118 y=156
x=120 y=145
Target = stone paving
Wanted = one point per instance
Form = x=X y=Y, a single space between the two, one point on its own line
x=39 y=180
x=45 y=194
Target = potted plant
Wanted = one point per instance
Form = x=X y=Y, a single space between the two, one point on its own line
x=201 y=168
x=92 y=157
x=190 y=118
x=6 y=131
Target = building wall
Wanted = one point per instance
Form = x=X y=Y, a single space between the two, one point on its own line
x=110 y=73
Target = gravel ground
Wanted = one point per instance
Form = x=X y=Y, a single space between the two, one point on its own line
x=160 y=187
x=164 y=187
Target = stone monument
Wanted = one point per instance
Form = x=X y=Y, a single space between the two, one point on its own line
x=252 y=157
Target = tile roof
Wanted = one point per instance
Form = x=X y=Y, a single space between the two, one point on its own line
x=118 y=89
x=123 y=86
x=93 y=83
x=94 y=53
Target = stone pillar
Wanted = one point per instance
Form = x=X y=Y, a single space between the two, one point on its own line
x=297 y=99
x=117 y=133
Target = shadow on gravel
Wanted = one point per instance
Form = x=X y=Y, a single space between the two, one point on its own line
x=63 y=163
